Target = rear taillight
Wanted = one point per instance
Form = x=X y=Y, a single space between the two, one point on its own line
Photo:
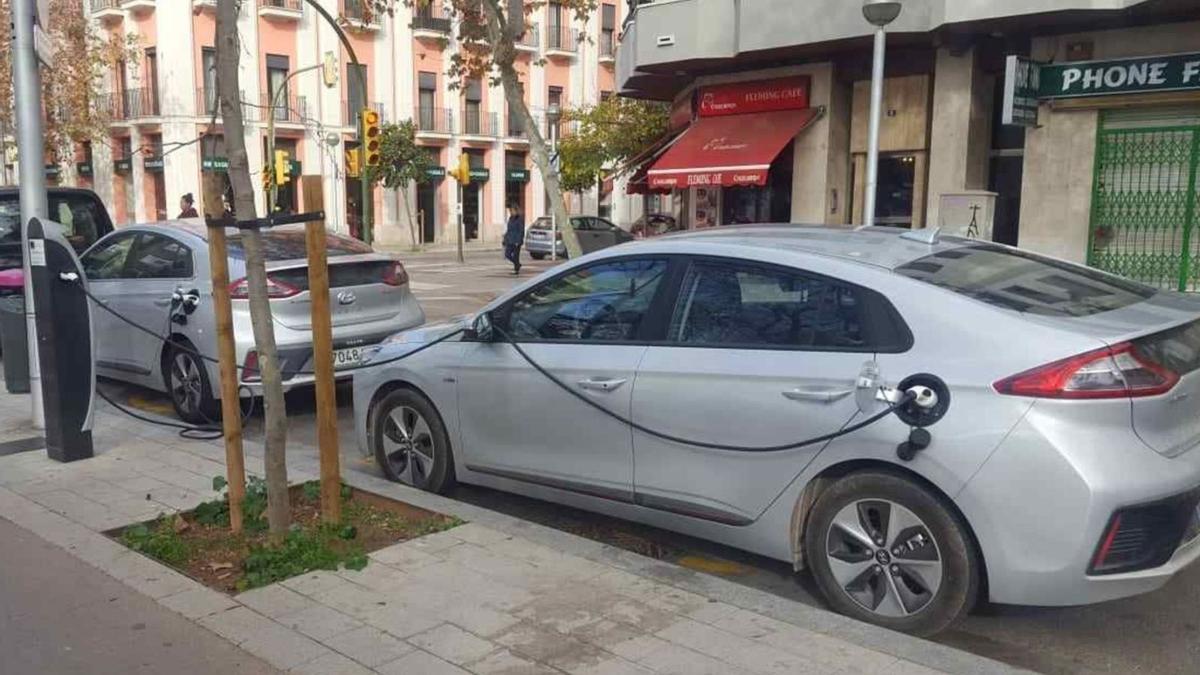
x=250 y=367
x=240 y=289
x=395 y=275
x=1112 y=372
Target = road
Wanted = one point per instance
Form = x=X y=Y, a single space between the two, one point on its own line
x=62 y=616
x=1155 y=633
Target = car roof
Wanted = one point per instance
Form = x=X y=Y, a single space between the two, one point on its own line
x=885 y=247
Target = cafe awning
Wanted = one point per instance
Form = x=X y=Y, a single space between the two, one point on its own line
x=728 y=151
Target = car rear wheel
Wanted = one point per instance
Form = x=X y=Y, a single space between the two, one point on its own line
x=187 y=384
x=885 y=550
x=410 y=442
x=537 y=256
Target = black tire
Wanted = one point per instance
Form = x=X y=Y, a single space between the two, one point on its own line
x=393 y=453
x=537 y=256
x=188 y=386
x=903 y=570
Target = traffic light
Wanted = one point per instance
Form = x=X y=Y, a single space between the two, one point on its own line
x=283 y=167
x=371 y=139
x=352 y=163
x=267 y=178
x=461 y=171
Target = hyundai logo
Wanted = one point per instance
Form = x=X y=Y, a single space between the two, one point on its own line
x=346 y=298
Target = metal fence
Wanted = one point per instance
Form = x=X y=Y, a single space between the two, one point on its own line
x=562 y=39
x=479 y=123
x=434 y=120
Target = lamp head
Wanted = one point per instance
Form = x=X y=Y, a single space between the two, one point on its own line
x=881 y=12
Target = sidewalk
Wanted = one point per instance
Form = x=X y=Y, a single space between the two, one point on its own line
x=497 y=595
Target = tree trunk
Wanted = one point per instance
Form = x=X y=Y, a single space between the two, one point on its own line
x=275 y=414
x=504 y=52
x=412 y=221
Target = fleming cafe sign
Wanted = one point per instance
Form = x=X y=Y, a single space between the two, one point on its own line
x=1027 y=82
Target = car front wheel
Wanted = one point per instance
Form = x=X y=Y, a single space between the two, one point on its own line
x=885 y=550
x=410 y=442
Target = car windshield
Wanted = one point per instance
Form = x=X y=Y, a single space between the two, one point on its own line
x=1025 y=282
x=543 y=223
x=288 y=244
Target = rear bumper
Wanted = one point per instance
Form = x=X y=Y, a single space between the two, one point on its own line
x=1041 y=505
x=543 y=246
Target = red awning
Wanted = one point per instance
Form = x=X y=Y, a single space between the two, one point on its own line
x=728 y=151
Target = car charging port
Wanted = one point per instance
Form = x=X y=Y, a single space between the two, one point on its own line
x=928 y=402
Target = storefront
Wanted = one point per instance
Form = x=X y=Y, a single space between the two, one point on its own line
x=734 y=162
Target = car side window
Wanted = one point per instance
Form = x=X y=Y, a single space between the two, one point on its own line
x=157 y=257
x=744 y=305
x=77 y=214
x=107 y=261
x=606 y=301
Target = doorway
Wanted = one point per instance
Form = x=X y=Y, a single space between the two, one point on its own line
x=427 y=211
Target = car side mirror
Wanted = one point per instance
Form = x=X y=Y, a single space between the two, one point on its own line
x=480 y=329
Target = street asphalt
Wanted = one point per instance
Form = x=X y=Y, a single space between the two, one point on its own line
x=1155 y=633
x=59 y=615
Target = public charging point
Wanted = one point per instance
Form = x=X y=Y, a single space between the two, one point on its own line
x=66 y=350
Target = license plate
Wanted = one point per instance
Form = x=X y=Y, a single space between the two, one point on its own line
x=538 y=235
x=350 y=356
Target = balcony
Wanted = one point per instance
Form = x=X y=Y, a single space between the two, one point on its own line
x=292 y=111
x=531 y=40
x=205 y=4
x=434 y=121
x=352 y=109
x=608 y=48
x=431 y=22
x=107 y=11
x=355 y=13
x=206 y=105
x=138 y=6
x=562 y=41
x=131 y=104
x=479 y=123
x=283 y=10
x=514 y=129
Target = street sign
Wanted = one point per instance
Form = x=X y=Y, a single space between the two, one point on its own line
x=1022 y=78
x=42 y=46
x=554 y=161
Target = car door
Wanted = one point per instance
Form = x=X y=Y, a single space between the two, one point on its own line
x=158 y=265
x=104 y=266
x=755 y=355
x=613 y=234
x=586 y=328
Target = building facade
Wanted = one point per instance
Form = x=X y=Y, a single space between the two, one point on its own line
x=1098 y=164
x=163 y=100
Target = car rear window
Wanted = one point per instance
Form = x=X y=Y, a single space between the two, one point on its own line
x=288 y=244
x=1025 y=282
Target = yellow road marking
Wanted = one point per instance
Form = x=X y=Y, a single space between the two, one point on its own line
x=154 y=405
x=713 y=566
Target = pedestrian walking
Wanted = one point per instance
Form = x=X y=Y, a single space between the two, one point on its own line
x=187 y=206
x=514 y=236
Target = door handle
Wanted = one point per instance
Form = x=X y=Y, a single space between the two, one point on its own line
x=601 y=384
x=817 y=395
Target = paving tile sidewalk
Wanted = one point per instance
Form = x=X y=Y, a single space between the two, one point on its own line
x=497 y=595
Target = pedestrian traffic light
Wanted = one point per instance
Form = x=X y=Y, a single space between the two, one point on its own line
x=371 y=139
x=461 y=172
x=283 y=167
x=352 y=163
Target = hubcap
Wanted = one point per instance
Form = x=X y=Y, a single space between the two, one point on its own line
x=408 y=445
x=884 y=557
x=186 y=385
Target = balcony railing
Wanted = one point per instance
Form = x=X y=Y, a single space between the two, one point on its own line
x=434 y=120
x=562 y=39
x=431 y=19
x=356 y=12
x=130 y=104
x=206 y=105
x=352 y=109
x=532 y=39
x=101 y=5
x=284 y=8
x=608 y=46
x=479 y=123
x=514 y=127
x=293 y=110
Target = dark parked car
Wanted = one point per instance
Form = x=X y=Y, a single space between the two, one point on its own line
x=654 y=224
x=594 y=234
x=80 y=212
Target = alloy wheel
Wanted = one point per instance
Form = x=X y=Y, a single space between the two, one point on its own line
x=187 y=387
x=884 y=557
x=408 y=445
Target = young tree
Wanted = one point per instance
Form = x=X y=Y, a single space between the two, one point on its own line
x=487 y=35
x=614 y=131
x=401 y=163
x=228 y=47
x=71 y=90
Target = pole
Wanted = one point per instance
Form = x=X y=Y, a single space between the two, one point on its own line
x=27 y=89
x=873 y=129
x=322 y=332
x=554 y=168
x=231 y=412
x=459 y=229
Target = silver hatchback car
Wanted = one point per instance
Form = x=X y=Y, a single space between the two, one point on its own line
x=138 y=271
x=1064 y=468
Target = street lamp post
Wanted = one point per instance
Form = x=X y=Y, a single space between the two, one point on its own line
x=879 y=13
x=553 y=115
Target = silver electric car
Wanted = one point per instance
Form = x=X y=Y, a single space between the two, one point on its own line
x=141 y=272
x=1061 y=467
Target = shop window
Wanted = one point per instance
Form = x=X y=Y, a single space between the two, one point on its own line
x=894 y=192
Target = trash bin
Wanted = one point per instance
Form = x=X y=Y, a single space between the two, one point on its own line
x=15 y=345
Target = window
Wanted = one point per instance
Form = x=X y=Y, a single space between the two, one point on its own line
x=288 y=243
x=79 y=215
x=426 y=96
x=356 y=89
x=157 y=257
x=208 y=63
x=604 y=302
x=152 y=79
x=472 y=107
x=108 y=261
x=730 y=304
x=277 y=72
x=1024 y=282
x=608 y=30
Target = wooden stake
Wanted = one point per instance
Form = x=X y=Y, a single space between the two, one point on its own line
x=231 y=408
x=322 y=332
